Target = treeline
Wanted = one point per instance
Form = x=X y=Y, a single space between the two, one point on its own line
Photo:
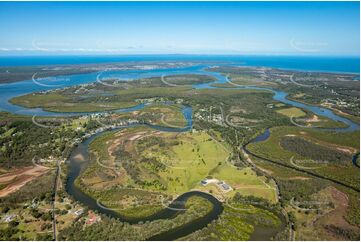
x=113 y=229
x=300 y=190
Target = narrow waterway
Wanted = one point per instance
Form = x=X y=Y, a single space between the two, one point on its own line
x=354 y=159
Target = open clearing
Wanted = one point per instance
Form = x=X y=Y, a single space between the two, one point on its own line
x=292 y=112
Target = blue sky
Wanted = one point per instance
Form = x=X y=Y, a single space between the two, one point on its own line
x=296 y=28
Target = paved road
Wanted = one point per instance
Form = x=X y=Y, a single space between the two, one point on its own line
x=57 y=175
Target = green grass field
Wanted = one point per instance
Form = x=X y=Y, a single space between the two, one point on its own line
x=56 y=102
x=190 y=161
x=292 y=112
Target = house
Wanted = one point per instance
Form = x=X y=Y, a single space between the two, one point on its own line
x=205 y=182
x=92 y=218
x=221 y=184
x=226 y=187
x=78 y=212
x=9 y=218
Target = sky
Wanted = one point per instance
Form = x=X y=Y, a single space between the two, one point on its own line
x=272 y=28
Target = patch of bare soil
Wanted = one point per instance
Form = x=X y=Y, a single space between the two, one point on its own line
x=298 y=178
x=269 y=172
x=345 y=149
x=313 y=119
x=333 y=225
x=16 y=179
x=79 y=157
x=236 y=109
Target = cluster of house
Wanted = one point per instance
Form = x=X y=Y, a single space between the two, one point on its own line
x=337 y=102
x=220 y=184
x=9 y=217
x=50 y=159
x=158 y=100
x=101 y=129
x=207 y=115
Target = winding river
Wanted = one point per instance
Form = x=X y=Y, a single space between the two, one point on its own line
x=8 y=91
x=79 y=160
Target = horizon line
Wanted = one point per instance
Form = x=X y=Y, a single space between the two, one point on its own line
x=180 y=54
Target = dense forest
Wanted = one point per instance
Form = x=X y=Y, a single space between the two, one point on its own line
x=21 y=141
x=314 y=151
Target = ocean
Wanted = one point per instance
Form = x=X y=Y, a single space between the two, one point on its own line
x=304 y=63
